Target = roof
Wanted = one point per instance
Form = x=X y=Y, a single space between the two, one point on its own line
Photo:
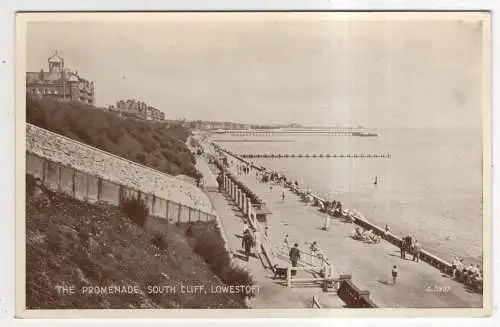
x=56 y=58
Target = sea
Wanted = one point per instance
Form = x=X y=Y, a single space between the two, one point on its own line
x=431 y=186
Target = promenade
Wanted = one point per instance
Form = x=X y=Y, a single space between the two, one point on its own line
x=419 y=285
x=272 y=293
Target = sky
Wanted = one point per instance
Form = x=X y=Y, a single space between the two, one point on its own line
x=381 y=74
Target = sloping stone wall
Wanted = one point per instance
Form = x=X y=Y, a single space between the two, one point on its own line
x=62 y=150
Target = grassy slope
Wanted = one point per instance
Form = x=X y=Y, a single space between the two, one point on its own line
x=149 y=143
x=70 y=242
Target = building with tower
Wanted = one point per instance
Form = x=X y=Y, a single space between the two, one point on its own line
x=60 y=82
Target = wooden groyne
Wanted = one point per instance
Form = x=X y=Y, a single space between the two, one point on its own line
x=316 y=155
x=318 y=201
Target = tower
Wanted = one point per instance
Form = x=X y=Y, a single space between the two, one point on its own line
x=56 y=63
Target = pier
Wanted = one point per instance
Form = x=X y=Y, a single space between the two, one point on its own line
x=316 y=155
x=368 y=264
x=296 y=132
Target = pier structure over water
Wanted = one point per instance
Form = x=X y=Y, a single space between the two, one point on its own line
x=309 y=132
x=316 y=155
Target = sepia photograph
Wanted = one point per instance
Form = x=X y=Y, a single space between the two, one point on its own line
x=253 y=160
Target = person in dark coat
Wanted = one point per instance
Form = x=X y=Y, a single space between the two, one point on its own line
x=294 y=257
x=220 y=182
x=247 y=243
x=402 y=248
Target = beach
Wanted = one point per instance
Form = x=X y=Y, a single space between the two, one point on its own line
x=421 y=189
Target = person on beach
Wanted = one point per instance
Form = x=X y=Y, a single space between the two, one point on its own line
x=283 y=196
x=294 y=257
x=394 y=274
x=417 y=247
x=326 y=224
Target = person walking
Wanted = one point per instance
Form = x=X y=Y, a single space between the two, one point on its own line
x=314 y=252
x=283 y=196
x=326 y=223
x=294 y=257
x=394 y=274
x=386 y=231
x=245 y=227
x=454 y=266
x=257 y=243
x=285 y=242
x=247 y=243
x=417 y=247
x=402 y=245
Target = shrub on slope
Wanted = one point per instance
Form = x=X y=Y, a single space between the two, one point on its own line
x=73 y=243
x=153 y=144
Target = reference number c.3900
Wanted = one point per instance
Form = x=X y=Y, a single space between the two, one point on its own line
x=437 y=289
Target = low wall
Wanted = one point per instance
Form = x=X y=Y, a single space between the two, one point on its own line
x=89 y=188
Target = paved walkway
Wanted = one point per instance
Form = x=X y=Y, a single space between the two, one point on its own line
x=419 y=285
x=272 y=293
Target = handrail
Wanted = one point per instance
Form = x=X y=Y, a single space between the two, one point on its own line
x=319 y=256
x=315 y=303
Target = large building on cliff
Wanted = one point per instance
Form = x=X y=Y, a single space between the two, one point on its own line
x=60 y=82
x=137 y=109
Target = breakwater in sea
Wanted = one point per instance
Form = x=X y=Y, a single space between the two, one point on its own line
x=319 y=201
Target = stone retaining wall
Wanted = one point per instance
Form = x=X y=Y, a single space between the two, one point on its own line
x=94 y=189
x=89 y=160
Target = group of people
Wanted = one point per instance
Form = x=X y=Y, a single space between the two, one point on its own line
x=471 y=275
x=410 y=246
x=333 y=208
x=243 y=169
x=271 y=177
x=366 y=235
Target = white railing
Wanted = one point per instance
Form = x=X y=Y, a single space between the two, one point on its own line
x=315 y=303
